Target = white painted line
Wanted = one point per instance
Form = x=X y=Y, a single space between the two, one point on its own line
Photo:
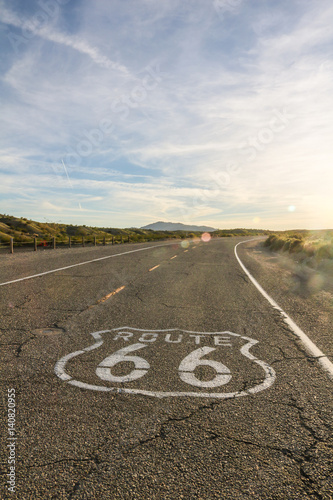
x=308 y=344
x=173 y=257
x=155 y=267
x=60 y=365
x=83 y=263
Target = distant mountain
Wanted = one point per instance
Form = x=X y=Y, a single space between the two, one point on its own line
x=177 y=226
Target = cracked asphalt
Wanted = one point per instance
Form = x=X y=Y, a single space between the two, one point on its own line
x=241 y=419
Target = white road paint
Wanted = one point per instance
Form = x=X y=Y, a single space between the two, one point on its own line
x=84 y=263
x=141 y=365
x=308 y=344
x=185 y=370
x=193 y=360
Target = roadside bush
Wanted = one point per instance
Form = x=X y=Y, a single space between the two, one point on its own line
x=270 y=239
x=295 y=245
x=277 y=243
x=320 y=248
x=325 y=251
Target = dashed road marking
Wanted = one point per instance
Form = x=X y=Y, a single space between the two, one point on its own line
x=155 y=267
x=83 y=263
x=308 y=344
x=103 y=299
x=173 y=257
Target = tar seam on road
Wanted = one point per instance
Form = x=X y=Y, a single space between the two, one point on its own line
x=83 y=263
x=308 y=344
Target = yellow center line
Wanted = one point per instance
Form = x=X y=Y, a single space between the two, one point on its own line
x=103 y=299
x=185 y=251
x=173 y=257
x=152 y=269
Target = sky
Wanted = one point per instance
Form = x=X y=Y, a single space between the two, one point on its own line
x=123 y=113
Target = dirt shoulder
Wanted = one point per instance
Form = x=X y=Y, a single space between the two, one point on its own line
x=303 y=289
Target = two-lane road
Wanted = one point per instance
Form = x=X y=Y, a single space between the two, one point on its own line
x=159 y=371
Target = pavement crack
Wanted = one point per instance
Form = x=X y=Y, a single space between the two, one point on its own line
x=162 y=434
x=308 y=455
x=137 y=296
x=306 y=357
x=302 y=458
x=75 y=489
x=244 y=277
x=22 y=344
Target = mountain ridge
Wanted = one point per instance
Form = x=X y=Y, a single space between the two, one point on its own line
x=177 y=226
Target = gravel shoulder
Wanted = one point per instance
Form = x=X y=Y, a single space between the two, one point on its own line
x=305 y=293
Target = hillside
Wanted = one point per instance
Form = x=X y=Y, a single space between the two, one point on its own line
x=23 y=231
x=177 y=226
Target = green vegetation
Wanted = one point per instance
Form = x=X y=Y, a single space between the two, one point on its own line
x=23 y=231
x=316 y=244
x=240 y=232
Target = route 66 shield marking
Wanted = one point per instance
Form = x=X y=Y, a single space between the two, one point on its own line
x=167 y=363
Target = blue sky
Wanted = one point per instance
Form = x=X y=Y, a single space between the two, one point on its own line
x=121 y=113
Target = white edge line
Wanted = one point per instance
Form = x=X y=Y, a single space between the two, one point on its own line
x=83 y=263
x=308 y=344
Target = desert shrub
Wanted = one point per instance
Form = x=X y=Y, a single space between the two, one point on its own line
x=295 y=245
x=325 y=251
x=320 y=248
x=270 y=240
x=277 y=243
x=309 y=249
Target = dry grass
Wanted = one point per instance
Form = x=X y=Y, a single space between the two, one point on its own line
x=316 y=244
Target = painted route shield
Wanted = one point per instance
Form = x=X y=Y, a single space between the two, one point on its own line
x=167 y=363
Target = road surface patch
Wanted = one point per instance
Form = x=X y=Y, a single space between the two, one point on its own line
x=48 y=331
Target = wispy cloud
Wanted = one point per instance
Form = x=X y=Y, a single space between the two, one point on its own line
x=45 y=31
x=190 y=104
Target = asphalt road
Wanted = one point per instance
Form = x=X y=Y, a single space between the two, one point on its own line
x=163 y=374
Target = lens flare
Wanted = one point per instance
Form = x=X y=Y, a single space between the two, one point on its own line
x=206 y=237
x=185 y=244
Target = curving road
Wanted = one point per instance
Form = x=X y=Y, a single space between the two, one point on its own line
x=159 y=371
